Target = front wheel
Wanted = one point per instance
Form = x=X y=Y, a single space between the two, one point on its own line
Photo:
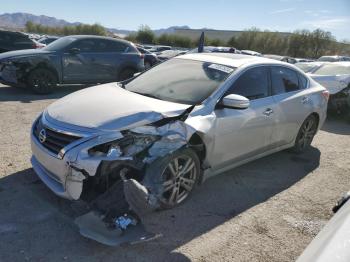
x=306 y=134
x=177 y=174
x=42 y=81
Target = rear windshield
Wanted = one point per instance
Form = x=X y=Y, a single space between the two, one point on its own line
x=333 y=70
x=181 y=80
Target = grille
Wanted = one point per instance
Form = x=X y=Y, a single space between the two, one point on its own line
x=54 y=141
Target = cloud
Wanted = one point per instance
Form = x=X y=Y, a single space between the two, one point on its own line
x=328 y=23
x=280 y=11
x=317 y=12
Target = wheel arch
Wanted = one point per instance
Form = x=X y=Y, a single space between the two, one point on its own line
x=43 y=65
x=197 y=144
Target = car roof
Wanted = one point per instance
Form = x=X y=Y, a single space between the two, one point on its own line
x=229 y=59
x=98 y=37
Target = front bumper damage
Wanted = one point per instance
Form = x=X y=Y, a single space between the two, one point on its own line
x=117 y=216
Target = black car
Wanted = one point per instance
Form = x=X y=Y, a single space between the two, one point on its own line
x=10 y=41
x=71 y=60
x=47 y=39
x=150 y=58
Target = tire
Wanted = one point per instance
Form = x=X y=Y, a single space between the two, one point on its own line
x=148 y=65
x=42 y=81
x=176 y=186
x=306 y=134
x=126 y=74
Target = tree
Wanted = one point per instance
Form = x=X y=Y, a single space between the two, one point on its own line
x=145 y=35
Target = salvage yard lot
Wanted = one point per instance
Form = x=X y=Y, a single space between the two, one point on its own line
x=267 y=210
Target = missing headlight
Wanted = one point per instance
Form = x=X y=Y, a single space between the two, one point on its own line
x=129 y=145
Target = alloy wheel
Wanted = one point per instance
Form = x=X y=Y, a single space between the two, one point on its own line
x=307 y=132
x=179 y=178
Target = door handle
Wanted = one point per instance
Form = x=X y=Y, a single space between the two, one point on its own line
x=305 y=99
x=268 y=112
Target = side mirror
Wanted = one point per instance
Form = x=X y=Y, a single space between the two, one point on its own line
x=74 y=51
x=235 y=101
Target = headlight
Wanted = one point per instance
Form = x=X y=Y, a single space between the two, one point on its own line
x=129 y=145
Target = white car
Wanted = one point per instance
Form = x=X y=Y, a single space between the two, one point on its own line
x=171 y=127
x=336 y=78
x=332 y=244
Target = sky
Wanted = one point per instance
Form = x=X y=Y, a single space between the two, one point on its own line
x=276 y=15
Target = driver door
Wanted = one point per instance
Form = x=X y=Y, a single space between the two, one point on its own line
x=243 y=133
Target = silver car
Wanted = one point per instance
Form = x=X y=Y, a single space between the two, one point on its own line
x=175 y=125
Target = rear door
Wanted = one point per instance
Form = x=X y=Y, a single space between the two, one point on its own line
x=293 y=103
x=241 y=134
x=112 y=54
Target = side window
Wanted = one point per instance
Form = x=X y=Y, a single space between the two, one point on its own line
x=252 y=84
x=283 y=80
x=112 y=46
x=302 y=81
x=86 y=45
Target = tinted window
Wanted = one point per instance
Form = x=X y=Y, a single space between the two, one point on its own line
x=112 y=46
x=86 y=45
x=181 y=80
x=283 y=80
x=60 y=43
x=252 y=84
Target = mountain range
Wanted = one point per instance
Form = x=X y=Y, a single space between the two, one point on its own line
x=19 y=20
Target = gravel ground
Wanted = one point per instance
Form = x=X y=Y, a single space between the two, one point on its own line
x=267 y=210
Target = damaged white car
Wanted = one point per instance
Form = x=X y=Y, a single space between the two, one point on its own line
x=144 y=144
x=336 y=78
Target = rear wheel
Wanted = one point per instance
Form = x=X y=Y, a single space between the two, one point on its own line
x=42 y=81
x=147 y=65
x=126 y=74
x=306 y=134
x=178 y=174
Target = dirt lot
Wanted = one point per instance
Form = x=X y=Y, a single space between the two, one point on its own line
x=267 y=210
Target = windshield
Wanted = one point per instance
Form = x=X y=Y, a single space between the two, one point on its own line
x=60 y=43
x=306 y=67
x=181 y=80
x=333 y=70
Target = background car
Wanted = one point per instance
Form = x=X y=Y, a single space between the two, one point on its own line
x=71 y=60
x=309 y=67
x=216 y=49
x=336 y=78
x=250 y=52
x=335 y=58
x=151 y=59
x=10 y=41
x=47 y=39
x=287 y=59
x=167 y=54
x=159 y=48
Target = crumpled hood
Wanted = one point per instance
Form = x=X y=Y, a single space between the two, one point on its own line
x=110 y=107
x=25 y=52
x=333 y=83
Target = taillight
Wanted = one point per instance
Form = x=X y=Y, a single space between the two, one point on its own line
x=142 y=56
x=325 y=94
